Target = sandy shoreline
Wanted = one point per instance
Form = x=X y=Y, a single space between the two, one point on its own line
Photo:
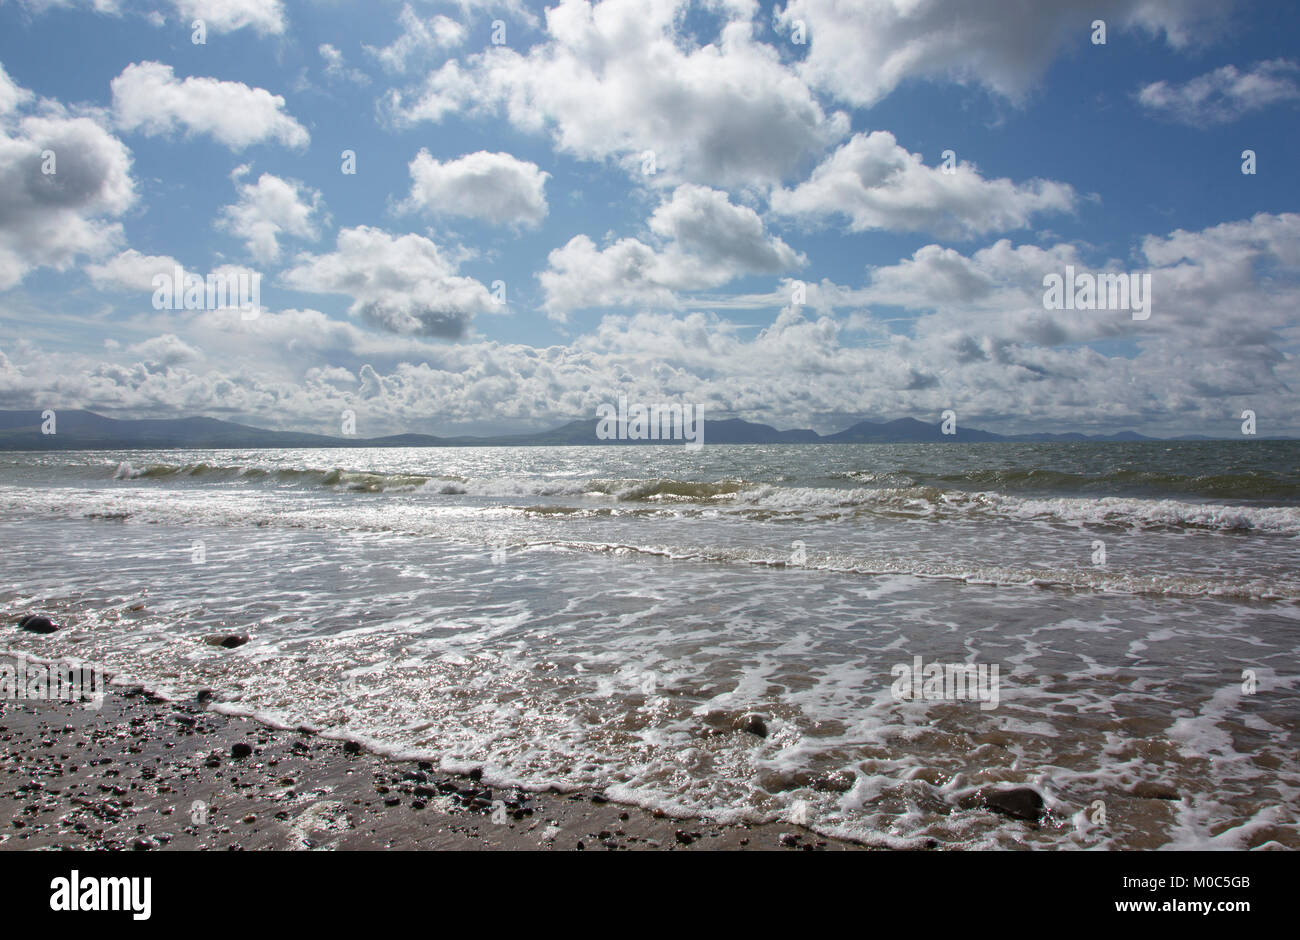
x=144 y=773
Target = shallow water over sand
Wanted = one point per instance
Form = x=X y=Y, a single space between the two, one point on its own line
x=609 y=616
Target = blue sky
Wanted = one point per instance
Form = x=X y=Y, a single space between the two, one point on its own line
x=774 y=162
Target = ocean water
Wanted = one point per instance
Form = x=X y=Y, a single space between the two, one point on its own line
x=610 y=616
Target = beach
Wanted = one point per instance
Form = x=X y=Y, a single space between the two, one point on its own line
x=144 y=774
x=985 y=646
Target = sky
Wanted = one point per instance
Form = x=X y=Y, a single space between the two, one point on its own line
x=488 y=217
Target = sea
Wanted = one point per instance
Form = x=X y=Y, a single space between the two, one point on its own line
x=737 y=633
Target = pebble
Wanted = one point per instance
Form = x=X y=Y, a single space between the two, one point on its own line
x=1018 y=803
x=838 y=782
x=34 y=623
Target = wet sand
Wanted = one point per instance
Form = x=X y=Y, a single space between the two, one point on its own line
x=142 y=773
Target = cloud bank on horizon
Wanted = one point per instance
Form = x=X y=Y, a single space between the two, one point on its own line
x=474 y=217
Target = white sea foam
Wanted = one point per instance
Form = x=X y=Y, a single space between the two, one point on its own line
x=607 y=619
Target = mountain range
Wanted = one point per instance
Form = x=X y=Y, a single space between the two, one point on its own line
x=85 y=430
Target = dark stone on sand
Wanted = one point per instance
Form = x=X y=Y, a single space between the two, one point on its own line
x=789 y=839
x=240 y=751
x=476 y=773
x=34 y=623
x=351 y=747
x=227 y=640
x=599 y=798
x=753 y=724
x=684 y=837
x=1149 y=790
x=1018 y=803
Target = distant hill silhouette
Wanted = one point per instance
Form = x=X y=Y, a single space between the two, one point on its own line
x=85 y=430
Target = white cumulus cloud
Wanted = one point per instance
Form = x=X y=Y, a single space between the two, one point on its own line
x=861 y=50
x=62 y=181
x=266 y=17
x=618 y=80
x=131 y=270
x=149 y=98
x=1224 y=94
x=402 y=284
x=494 y=187
x=419 y=39
x=706 y=241
x=877 y=184
x=269 y=210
